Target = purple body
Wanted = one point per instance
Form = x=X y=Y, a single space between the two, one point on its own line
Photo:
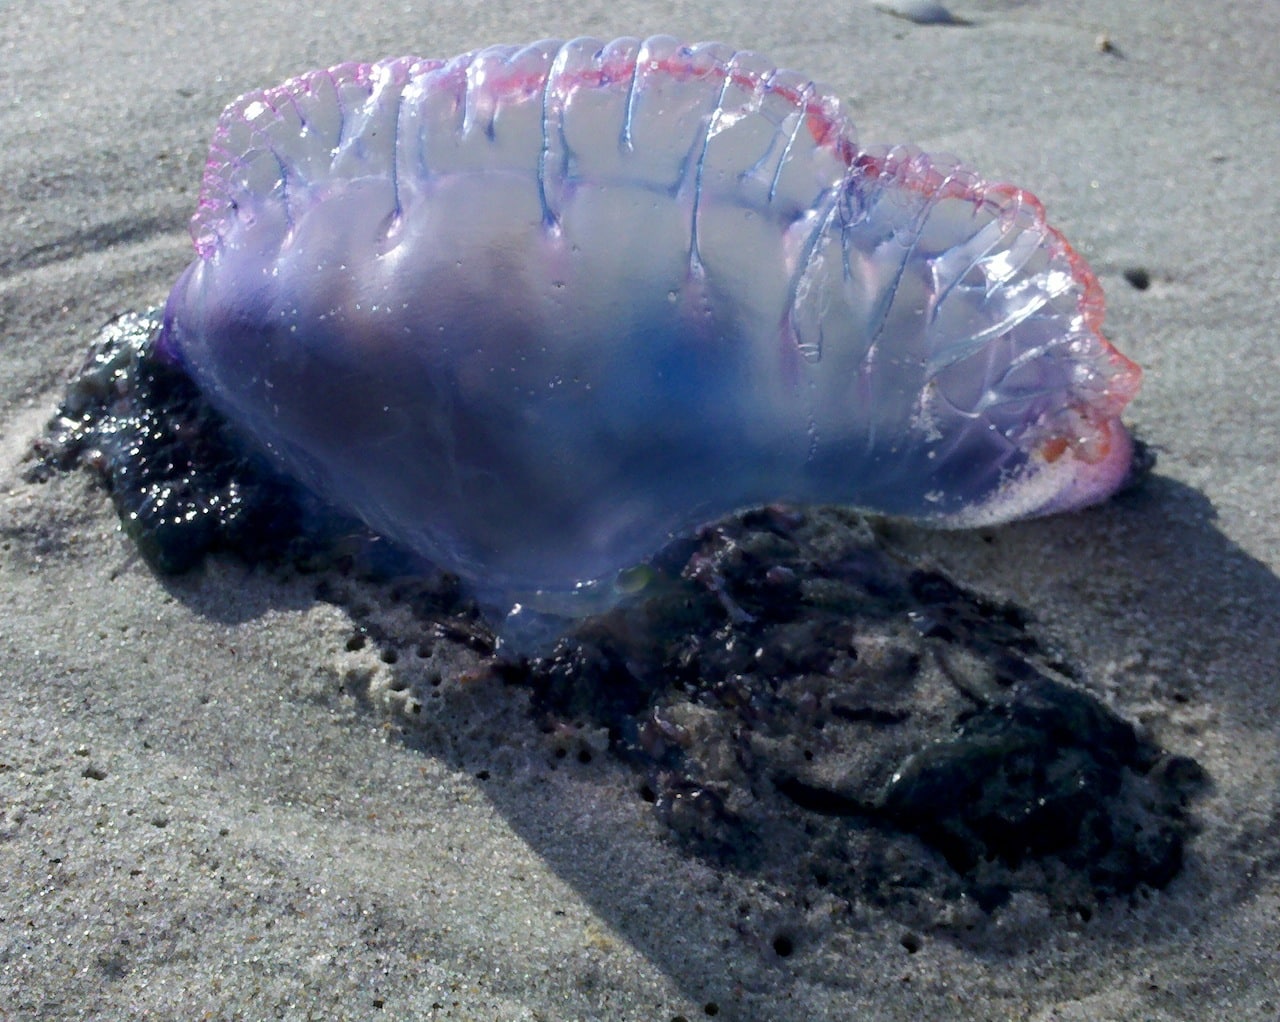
x=531 y=311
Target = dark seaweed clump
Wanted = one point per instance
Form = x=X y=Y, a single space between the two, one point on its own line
x=181 y=481
x=795 y=694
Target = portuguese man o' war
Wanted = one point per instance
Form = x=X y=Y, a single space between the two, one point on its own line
x=534 y=310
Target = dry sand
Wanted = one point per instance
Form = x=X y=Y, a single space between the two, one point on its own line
x=204 y=810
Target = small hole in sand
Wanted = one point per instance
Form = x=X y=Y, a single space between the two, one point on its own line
x=1138 y=278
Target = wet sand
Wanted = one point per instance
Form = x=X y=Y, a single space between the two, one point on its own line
x=218 y=798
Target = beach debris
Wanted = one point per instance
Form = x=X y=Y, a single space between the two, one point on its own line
x=1104 y=44
x=921 y=12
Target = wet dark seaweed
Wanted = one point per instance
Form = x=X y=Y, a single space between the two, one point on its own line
x=182 y=482
x=802 y=691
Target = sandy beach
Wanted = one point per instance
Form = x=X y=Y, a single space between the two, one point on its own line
x=224 y=795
